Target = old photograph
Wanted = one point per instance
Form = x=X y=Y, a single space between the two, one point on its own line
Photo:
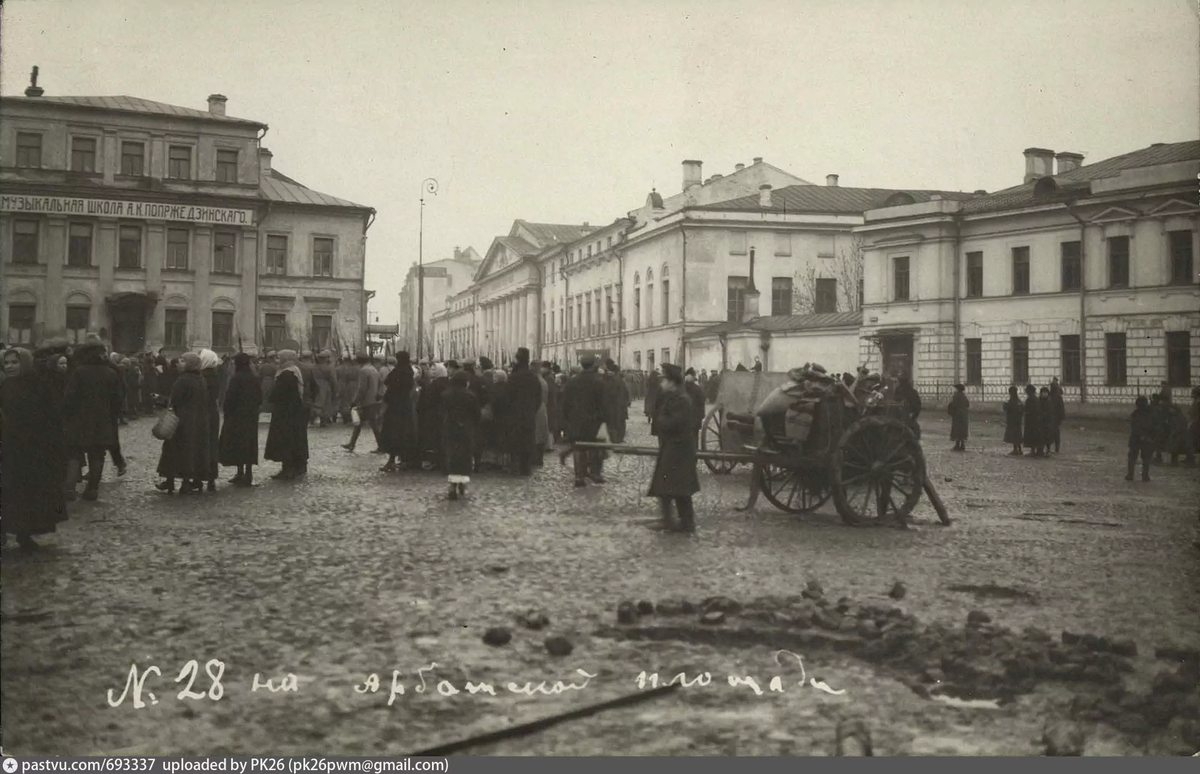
x=559 y=378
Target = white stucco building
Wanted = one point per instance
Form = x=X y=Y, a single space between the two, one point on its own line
x=1087 y=273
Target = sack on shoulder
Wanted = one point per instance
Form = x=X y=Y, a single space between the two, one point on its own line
x=164 y=429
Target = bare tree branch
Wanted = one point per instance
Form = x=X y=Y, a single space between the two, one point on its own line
x=848 y=269
x=804 y=290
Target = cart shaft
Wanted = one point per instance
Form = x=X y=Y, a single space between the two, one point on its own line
x=649 y=451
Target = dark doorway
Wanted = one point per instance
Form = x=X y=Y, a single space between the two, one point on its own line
x=128 y=327
x=897 y=354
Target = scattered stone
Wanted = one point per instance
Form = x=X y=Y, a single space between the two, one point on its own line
x=843 y=605
x=534 y=619
x=689 y=607
x=645 y=607
x=895 y=612
x=497 y=636
x=813 y=590
x=1062 y=739
x=722 y=604
x=670 y=607
x=947 y=479
x=934 y=675
x=713 y=617
x=1068 y=502
x=1071 y=639
x=626 y=613
x=1034 y=634
x=1177 y=653
x=829 y=621
x=978 y=618
x=898 y=591
x=559 y=646
x=498 y=569
x=1127 y=648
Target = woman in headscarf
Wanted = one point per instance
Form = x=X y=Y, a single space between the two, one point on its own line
x=399 y=434
x=32 y=500
x=429 y=416
x=959 y=409
x=210 y=369
x=91 y=407
x=186 y=455
x=1013 y=415
x=287 y=438
x=460 y=424
x=238 y=444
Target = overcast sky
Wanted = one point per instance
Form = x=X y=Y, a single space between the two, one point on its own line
x=567 y=111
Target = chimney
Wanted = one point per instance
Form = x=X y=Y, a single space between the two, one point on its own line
x=216 y=104
x=264 y=162
x=751 y=296
x=1068 y=161
x=758 y=159
x=1039 y=163
x=764 y=195
x=33 y=90
x=738 y=167
x=691 y=173
x=831 y=181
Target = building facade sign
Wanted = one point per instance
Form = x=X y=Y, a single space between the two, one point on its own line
x=113 y=208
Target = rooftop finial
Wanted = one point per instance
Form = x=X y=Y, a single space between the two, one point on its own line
x=34 y=90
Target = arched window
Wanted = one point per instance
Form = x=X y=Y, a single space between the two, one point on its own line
x=666 y=295
x=636 y=322
x=649 y=298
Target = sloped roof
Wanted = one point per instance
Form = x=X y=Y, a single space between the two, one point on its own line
x=518 y=245
x=550 y=233
x=785 y=323
x=127 y=104
x=831 y=199
x=1022 y=195
x=278 y=187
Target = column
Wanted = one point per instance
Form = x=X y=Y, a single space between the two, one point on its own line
x=111 y=155
x=531 y=322
x=155 y=257
x=54 y=313
x=106 y=256
x=198 y=263
x=246 y=263
x=522 y=335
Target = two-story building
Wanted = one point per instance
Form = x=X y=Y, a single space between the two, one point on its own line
x=1085 y=273
x=166 y=227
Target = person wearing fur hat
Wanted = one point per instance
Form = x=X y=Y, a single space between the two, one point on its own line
x=1014 y=414
x=584 y=411
x=91 y=407
x=287 y=437
x=238 y=443
x=524 y=400
x=675 y=481
x=399 y=434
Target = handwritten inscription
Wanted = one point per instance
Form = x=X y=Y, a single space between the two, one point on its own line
x=424 y=681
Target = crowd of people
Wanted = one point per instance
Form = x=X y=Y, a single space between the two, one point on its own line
x=63 y=406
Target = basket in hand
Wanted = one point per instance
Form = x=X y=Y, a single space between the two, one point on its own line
x=164 y=429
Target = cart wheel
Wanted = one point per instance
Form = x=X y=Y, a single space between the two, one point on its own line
x=710 y=440
x=793 y=489
x=878 y=472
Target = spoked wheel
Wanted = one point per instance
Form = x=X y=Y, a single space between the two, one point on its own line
x=793 y=489
x=878 y=472
x=710 y=440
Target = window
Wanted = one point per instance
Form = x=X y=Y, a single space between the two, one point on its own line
x=77 y=323
x=274 y=329
x=1020 y=359
x=736 y=298
x=1114 y=356
x=861 y=286
x=900 y=278
x=29 y=150
x=588 y=330
x=650 y=360
x=975 y=275
x=79 y=245
x=222 y=330
x=129 y=253
x=1020 y=259
x=781 y=295
x=177 y=248
x=1072 y=267
x=83 y=154
x=608 y=306
x=737 y=242
x=20 y=323
x=589 y=251
x=1181 y=258
x=227 y=163
x=322 y=331
x=637 y=361
x=277 y=255
x=25 y=241
x=974 y=361
x=637 y=308
x=1071 y=359
x=225 y=252
x=133 y=159
x=649 y=304
x=322 y=257
x=826 y=296
x=175 y=329
x=783 y=244
x=1179 y=359
x=1118 y=261
x=666 y=355
x=609 y=244
x=666 y=298
x=179 y=162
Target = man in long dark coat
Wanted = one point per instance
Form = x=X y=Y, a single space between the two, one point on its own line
x=1033 y=421
x=584 y=406
x=675 y=480
x=90 y=410
x=653 y=381
x=1059 y=408
x=524 y=398
x=399 y=434
x=429 y=418
x=239 y=435
x=1141 y=439
x=287 y=438
x=1014 y=413
x=616 y=402
x=186 y=455
x=959 y=410
x=553 y=398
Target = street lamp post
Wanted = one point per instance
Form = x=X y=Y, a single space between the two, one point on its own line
x=430 y=186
